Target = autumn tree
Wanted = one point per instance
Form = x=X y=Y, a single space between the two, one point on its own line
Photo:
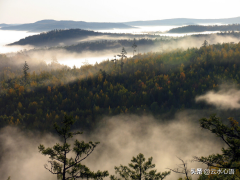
x=138 y=170
x=25 y=69
x=70 y=168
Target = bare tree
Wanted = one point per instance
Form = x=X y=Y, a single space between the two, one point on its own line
x=182 y=169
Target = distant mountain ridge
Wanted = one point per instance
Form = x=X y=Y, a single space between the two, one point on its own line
x=6 y=25
x=48 y=25
x=183 y=21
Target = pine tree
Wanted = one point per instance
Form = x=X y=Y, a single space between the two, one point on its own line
x=70 y=168
x=122 y=55
x=134 y=46
x=25 y=69
x=137 y=170
x=205 y=43
x=230 y=157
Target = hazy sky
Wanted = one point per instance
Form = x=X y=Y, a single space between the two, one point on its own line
x=27 y=11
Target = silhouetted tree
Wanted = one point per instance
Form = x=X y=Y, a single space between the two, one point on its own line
x=230 y=158
x=70 y=168
x=205 y=43
x=182 y=170
x=122 y=55
x=25 y=69
x=134 y=46
x=115 y=61
x=138 y=170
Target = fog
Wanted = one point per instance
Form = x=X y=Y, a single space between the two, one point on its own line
x=227 y=97
x=78 y=59
x=12 y=36
x=124 y=136
x=121 y=137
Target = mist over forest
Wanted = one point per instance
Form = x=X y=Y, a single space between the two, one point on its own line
x=134 y=93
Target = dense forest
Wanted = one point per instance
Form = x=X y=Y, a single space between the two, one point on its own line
x=200 y=28
x=157 y=83
x=35 y=95
x=54 y=37
x=161 y=43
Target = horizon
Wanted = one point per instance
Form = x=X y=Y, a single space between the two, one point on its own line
x=120 y=22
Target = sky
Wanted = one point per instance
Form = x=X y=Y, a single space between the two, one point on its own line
x=29 y=11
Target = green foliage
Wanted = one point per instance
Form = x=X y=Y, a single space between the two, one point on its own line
x=70 y=168
x=138 y=169
x=154 y=83
x=230 y=157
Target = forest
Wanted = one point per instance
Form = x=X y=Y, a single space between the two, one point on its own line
x=54 y=37
x=201 y=28
x=35 y=95
x=147 y=83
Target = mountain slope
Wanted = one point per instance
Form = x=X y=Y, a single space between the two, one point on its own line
x=47 y=25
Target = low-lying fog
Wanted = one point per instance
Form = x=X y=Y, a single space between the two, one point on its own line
x=121 y=138
x=78 y=59
x=91 y=57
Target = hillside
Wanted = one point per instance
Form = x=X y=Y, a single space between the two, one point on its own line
x=48 y=25
x=144 y=43
x=152 y=83
x=71 y=36
x=198 y=28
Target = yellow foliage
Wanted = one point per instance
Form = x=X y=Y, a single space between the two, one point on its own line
x=97 y=108
x=33 y=84
x=16 y=86
x=100 y=77
x=105 y=83
x=19 y=105
x=182 y=75
x=21 y=89
x=56 y=117
x=17 y=122
x=49 y=89
x=11 y=91
x=165 y=77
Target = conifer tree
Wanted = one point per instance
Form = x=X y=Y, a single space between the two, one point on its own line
x=230 y=158
x=122 y=55
x=134 y=46
x=25 y=69
x=205 y=43
x=137 y=170
x=70 y=168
